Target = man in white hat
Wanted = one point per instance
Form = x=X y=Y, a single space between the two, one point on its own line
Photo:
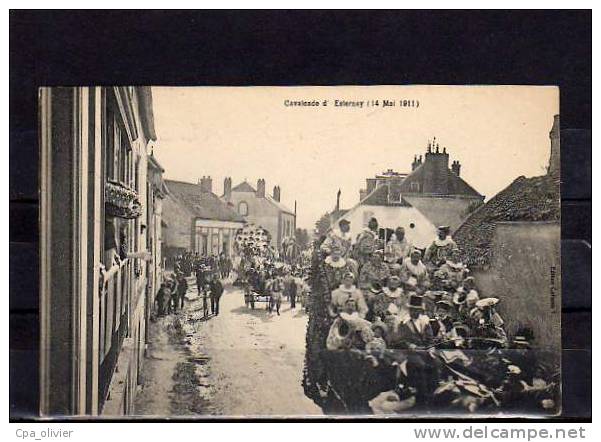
x=488 y=322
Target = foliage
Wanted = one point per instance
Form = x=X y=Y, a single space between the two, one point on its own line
x=323 y=224
x=302 y=238
x=121 y=201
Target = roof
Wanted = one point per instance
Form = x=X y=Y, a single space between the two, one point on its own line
x=279 y=205
x=335 y=215
x=155 y=163
x=205 y=205
x=244 y=187
x=456 y=184
x=146 y=113
x=526 y=199
x=380 y=197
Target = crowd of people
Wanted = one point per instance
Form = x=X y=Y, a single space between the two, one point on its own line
x=398 y=321
x=189 y=262
x=208 y=270
x=394 y=295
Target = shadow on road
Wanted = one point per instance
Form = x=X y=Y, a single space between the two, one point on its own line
x=259 y=312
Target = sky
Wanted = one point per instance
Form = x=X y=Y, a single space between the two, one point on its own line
x=497 y=133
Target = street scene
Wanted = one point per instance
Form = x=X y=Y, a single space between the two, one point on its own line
x=231 y=356
x=306 y=252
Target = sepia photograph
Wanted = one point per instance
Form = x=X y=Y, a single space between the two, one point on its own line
x=299 y=252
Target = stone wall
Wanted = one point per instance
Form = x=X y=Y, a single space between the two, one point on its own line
x=525 y=275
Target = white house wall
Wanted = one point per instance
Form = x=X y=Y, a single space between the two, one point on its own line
x=421 y=235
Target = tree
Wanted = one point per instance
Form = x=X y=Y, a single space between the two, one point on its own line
x=323 y=224
x=302 y=238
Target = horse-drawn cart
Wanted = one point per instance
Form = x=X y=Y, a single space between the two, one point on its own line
x=251 y=297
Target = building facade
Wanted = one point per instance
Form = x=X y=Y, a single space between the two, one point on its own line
x=98 y=246
x=432 y=194
x=261 y=209
x=197 y=220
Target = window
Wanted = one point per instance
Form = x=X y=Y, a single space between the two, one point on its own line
x=120 y=161
x=243 y=208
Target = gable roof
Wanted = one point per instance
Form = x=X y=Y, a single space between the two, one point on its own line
x=243 y=187
x=205 y=205
x=456 y=184
x=526 y=199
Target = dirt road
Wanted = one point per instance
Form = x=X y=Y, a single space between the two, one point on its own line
x=248 y=362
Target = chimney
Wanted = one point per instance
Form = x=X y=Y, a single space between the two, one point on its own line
x=260 y=188
x=338 y=200
x=436 y=166
x=415 y=163
x=276 y=193
x=227 y=188
x=554 y=159
x=456 y=167
x=206 y=184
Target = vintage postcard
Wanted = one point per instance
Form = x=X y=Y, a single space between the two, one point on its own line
x=211 y=252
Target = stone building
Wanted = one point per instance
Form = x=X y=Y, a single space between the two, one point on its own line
x=197 y=220
x=261 y=209
x=99 y=251
x=432 y=194
x=512 y=245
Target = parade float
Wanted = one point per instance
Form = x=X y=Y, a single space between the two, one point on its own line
x=473 y=374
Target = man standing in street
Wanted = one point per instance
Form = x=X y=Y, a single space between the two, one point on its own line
x=290 y=288
x=216 y=289
x=182 y=288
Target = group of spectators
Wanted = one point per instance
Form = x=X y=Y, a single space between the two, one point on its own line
x=208 y=272
x=188 y=263
x=390 y=294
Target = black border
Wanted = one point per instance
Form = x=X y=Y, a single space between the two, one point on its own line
x=57 y=48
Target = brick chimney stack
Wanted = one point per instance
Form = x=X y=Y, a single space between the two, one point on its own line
x=206 y=184
x=227 y=188
x=276 y=193
x=416 y=162
x=436 y=165
x=456 y=167
x=260 y=188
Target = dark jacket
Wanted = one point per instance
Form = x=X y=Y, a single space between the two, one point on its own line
x=182 y=287
x=216 y=288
